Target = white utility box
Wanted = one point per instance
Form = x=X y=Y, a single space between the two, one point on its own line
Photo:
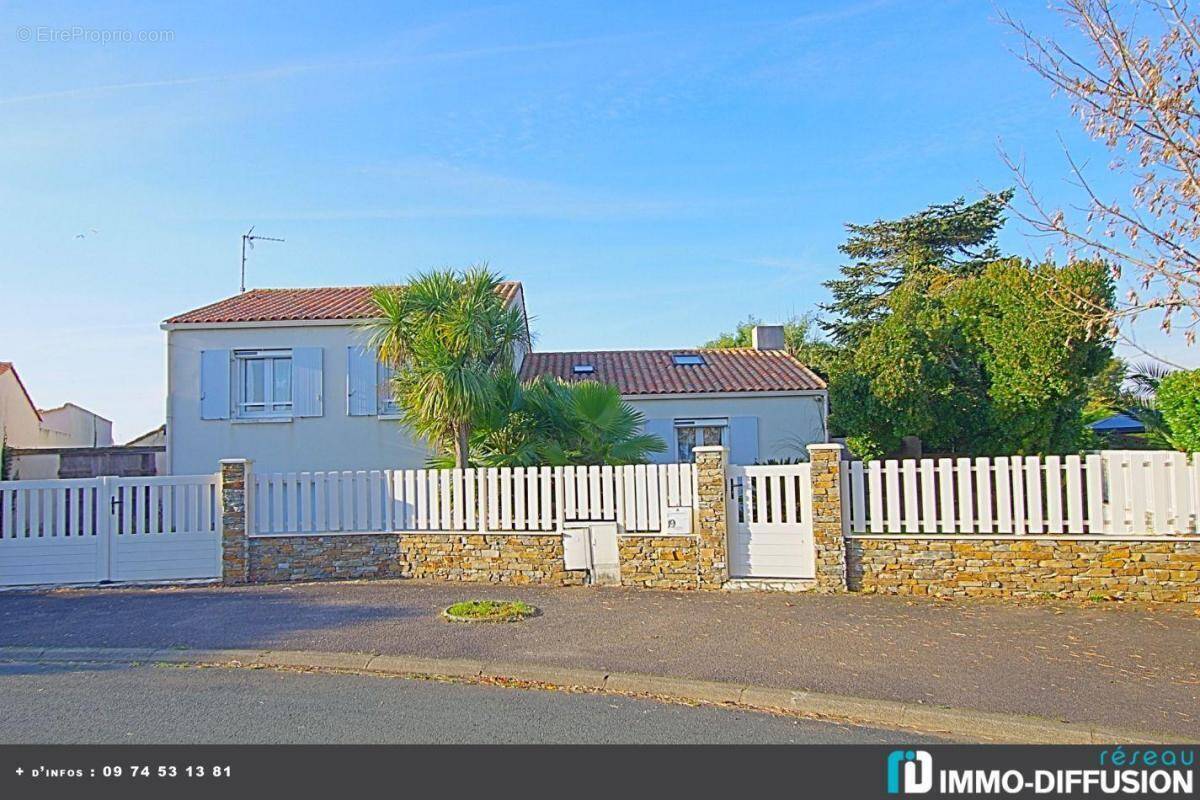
x=593 y=546
x=577 y=547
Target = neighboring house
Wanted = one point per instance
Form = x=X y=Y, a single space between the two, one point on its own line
x=158 y=436
x=72 y=426
x=285 y=377
x=760 y=403
x=20 y=422
x=23 y=425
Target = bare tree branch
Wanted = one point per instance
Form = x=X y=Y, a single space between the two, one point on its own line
x=1139 y=96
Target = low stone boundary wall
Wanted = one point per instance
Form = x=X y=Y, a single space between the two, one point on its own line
x=660 y=562
x=1159 y=568
x=521 y=559
x=1162 y=569
x=315 y=558
x=487 y=558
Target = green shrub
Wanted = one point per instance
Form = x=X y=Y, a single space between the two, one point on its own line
x=1178 y=399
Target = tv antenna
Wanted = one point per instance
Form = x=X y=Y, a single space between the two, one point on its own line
x=248 y=238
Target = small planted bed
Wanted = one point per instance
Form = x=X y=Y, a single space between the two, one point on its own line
x=489 y=611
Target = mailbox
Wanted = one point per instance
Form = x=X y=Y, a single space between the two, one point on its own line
x=678 y=521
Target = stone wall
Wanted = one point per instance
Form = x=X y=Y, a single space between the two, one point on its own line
x=1161 y=570
x=315 y=558
x=667 y=562
x=713 y=558
x=828 y=542
x=487 y=558
x=659 y=562
x=235 y=510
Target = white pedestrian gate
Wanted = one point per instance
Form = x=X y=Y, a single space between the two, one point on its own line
x=109 y=529
x=770 y=522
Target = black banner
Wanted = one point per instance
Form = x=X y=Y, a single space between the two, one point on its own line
x=849 y=771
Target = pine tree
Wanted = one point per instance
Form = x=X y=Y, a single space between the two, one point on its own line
x=956 y=239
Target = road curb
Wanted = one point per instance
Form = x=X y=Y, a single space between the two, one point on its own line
x=958 y=723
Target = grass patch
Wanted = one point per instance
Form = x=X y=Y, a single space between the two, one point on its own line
x=490 y=610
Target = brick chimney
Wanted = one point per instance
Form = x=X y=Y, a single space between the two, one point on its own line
x=767 y=337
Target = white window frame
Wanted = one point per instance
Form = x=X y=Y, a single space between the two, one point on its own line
x=699 y=423
x=271 y=407
x=385 y=402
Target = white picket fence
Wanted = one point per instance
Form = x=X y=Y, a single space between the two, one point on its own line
x=469 y=500
x=1107 y=493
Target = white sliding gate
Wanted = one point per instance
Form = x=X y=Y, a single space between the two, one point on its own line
x=109 y=529
x=770 y=522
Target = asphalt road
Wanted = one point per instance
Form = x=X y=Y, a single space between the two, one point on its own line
x=1126 y=666
x=105 y=704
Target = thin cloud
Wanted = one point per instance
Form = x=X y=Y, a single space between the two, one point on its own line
x=292 y=70
x=333 y=65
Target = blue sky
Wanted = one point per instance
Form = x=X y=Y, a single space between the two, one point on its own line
x=652 y=172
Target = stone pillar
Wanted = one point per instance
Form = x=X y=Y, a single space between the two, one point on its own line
x=713 y=563
x=236 y=499
x=828 y=536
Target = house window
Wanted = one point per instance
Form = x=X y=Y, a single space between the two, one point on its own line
x=264 y=383
x=583 y=369
x=388 y=407
x=693 y=433
x=688 y=360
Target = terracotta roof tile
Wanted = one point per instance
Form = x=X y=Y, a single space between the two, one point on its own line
x=655 y=372
x=278 y=305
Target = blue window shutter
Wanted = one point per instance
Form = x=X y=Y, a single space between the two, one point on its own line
x=307 y=382
x=362 y=393
x=743 y=440
x=214 y=384
x=664 y=429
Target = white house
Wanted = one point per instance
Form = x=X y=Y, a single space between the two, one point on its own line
x=759 y=402
x=285 y=377
x=70 y=425
x=24 y=425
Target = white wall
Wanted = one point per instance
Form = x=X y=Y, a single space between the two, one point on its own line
x=72 y=426
x=19 y=424
x=785 y=423
x=331 y=441
x=34 y=467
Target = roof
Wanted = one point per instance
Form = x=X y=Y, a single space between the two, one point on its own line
x=76 y=406
x=161 y=430
x=280 y=305
x=636 y=372
x=6 y=366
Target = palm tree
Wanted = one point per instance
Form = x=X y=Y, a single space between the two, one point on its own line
x=449 y=337
x=1145 y=377
x=554 y=423
x=595 y=425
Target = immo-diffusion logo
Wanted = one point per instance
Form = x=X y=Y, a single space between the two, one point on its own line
x=909 y=771
x=1147 y=772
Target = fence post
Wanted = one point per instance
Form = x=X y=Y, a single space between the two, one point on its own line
x=713 y=526
x=825 y=462
x=237 y=500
